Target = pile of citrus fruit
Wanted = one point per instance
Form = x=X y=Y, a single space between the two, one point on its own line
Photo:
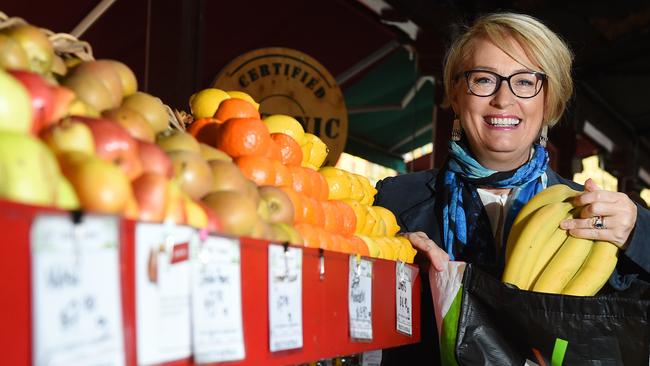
x=331 y=208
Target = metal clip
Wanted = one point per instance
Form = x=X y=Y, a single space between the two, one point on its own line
x=77 y=235
x=321 y=263
x=357 y=269
x=402 y=273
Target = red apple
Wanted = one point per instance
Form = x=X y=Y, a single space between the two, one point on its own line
x=152 y=194
x=114 y=144
x=154 y=159
x=214 y=224
x=40 y=93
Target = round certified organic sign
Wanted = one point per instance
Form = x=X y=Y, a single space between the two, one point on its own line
x=286 y=81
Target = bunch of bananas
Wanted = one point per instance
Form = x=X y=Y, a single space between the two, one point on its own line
x=542 y=257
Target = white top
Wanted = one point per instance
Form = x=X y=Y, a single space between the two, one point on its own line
x=496 y=207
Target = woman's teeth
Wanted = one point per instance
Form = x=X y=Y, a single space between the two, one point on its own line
x=503 y=121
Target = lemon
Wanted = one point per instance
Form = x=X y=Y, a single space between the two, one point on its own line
x=406 y=252
x=281 y=123
x=241 y=95
x=368 y=190
x=204 y=103
x=389 y=220
x=337 y=181
x=388 y=249
x=378 y=227
x=360 y=212
x=356 y=189
x=374 y=250
x=318 y=151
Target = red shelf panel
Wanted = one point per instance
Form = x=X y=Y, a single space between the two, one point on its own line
x=325 y=306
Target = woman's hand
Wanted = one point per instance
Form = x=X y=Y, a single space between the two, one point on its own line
x=436 y=255
x=605 y=215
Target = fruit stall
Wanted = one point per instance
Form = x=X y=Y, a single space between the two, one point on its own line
x=138 y=234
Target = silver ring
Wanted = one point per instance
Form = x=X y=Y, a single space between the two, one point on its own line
x=599 y=223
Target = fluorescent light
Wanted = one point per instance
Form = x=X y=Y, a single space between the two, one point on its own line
x=599 y=137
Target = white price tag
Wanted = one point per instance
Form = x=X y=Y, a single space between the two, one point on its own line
x=285 y=298
x=216 y=301
x=371 y=358
x=162 y=281
x=76 y=307
x=360 y=298
x=403 y=296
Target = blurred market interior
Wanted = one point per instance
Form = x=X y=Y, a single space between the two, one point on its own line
x=386 y=56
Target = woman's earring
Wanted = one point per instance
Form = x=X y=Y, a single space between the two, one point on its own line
x=543 y=136
x=456 y=131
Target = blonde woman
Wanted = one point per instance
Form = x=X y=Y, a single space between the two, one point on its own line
x=507 y=79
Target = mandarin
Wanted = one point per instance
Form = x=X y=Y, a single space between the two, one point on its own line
x=310 y=237
x=333 y=221
x=296 y=201
x=290 y=151
x=243 y=136
x=312 y=211
x=283 y=177
x=301 y=180
x=257 y=168
x=236 y=108
x=358 y=245
x=348 y=217
x=205 y=130
x=273 y=151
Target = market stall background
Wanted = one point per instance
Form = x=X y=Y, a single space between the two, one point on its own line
x=387 y=57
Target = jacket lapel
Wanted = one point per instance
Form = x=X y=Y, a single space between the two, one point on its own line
x=422 y=216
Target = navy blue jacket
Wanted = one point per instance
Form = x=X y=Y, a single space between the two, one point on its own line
x=411 y=198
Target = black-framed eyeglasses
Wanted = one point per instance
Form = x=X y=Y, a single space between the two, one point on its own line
x=524 y=84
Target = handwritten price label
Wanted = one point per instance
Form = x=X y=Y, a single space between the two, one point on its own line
x=216 y=301
x=403 y=296
x=360 y=298
x=163 y=314
x=285 y=298
x=76 y=291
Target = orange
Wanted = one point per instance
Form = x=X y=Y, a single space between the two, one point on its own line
x=290 y=151
x=243 y=136
x=310 y=237
x=312 y=212
x=348 y=217
x=345 y=246
x=359 y=245
x=236 y=108
x=325 y=239
x=301 y=179
x=296 y=201
x=333 y=221
x=257 y=168
x=273 y=152
x=205 y=130
x=283 y=177
x=320 y=187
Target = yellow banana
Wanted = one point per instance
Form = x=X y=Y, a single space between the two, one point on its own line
x=595 y=271
x=564 y=265
x=540 y=227
x=554 y=193
x=547 y=252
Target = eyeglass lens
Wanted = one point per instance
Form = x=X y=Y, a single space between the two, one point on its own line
x=486 y=83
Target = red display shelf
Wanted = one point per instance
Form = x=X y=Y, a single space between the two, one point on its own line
x=325 y=304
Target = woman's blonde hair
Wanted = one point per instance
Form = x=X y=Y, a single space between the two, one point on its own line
x=540 y=44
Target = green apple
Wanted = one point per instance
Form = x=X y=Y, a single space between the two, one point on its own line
x=69 y=135
x=28 y=170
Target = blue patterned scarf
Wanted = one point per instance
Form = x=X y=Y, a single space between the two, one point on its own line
x=466 y=228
